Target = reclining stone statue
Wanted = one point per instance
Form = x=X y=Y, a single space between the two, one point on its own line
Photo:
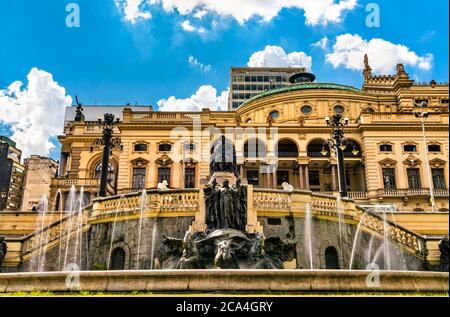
x=444 y=248
x=3 y=250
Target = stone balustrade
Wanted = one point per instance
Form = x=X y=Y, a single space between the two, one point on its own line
x=170 y=201
x=189 y=202
x=54 y=232
x=271 y=200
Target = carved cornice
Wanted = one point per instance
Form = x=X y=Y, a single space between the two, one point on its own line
x=412 y=161
x=164 y=161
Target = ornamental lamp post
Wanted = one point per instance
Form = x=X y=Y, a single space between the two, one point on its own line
x=422 y=115
x=339 y=144
x=109 y=143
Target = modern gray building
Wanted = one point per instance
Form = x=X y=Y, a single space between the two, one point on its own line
x=247 y=82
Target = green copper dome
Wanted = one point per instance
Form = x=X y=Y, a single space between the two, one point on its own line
x=302 y=86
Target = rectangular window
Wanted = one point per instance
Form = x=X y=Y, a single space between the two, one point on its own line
x=389 y=178
x=314 y=178
x=434 y=148
x=139 y=178
x=385 y=148
x=438 y=178
x=253 y=178
x=410 y=148
x=414 y=178
x=189 y=178
x=282 y=177
x=163 y=175
x=165 y=147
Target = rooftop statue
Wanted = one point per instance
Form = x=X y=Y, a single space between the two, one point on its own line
x=79 y=116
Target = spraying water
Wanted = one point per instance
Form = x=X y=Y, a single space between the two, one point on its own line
x=357 y=234
x=339 y=211
x=308 y=233
x=152 y=255
x=71 y=200
x=79 y=227
x=141 y=217
x=60 y=207
x=43 y=238
x=119 y=205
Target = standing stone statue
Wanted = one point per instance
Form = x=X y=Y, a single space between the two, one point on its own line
x=79 y=116
x=3 y=250
x=444 y=248
x=214 y=219
x=224 y=157
x=227 y=205
x=240 y=206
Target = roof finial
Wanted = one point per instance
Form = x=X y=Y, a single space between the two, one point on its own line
x=367 y=70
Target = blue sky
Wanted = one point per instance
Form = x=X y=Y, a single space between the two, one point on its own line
x=109 y=60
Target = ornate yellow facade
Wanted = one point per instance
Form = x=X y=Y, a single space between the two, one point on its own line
x=278 y=137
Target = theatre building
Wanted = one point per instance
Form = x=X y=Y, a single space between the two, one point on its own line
x=279 y=136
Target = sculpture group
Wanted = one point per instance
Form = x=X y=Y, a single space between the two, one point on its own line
x=226 y=207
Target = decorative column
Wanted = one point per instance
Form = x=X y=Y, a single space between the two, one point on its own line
x=307 y=177
x=300 y=176
x=333 y=177
x=274 y=179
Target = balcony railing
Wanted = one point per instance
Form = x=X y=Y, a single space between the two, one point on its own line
x=412 y=192
x=346 y=154
x=287 y=154
x=62 y=182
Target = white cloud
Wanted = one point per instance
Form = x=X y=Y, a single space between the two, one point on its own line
x=322 y=44
x=316 y=12
x=349 y=50
x=194 y=62
x=205 y=97
x=188 y=27
x=133 y=10
x=275 y=56
x=34 y=113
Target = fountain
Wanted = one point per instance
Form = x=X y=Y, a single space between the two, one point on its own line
x=230 y=229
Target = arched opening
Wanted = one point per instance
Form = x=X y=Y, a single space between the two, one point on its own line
x=117 y=259
x=255 y=148
x=316 y=147
x=58 y=201
x=287 y=148
x=331 y=258
x=353 y=149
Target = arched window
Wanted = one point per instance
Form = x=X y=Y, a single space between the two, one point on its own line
x=117 y=259
x=255 y=148
x=111 y=173
x=316 y=147
x=353 y=149
x=331 y=258
x=287 y=148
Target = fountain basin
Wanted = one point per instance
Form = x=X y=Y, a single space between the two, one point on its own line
x=227 y=281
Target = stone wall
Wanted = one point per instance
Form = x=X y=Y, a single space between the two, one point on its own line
x=325 y=233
